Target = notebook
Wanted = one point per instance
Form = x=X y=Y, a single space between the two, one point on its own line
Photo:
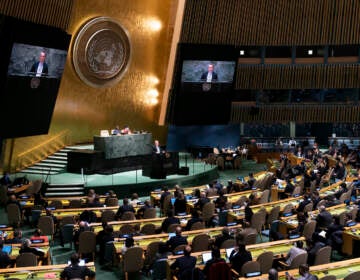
x=7 y=249
x=206 y=257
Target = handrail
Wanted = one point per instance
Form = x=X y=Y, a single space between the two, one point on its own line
x=50 y=145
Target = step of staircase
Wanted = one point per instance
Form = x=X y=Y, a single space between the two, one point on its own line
x=54 y=190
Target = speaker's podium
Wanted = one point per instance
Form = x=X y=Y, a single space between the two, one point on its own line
x=162 y=165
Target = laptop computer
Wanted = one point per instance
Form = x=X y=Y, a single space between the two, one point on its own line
x=37 y=241
x=7 y=249
x=252 y=274
x=206 y=257
x=172 y=234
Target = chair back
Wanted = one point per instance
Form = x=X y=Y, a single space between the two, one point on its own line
x=166 y=204
x=159 y=268
x=67 y=220
x=265 y=260
x=208 y=211
x=75 y=203
x=298 y=260
x=328 y=277
x=128 y=216
x=150 y=213
x=197 y=225
x=249 y=266
x=309 y=229
x=229 y=243
x=296 y=191
x=133 y=260
x=107 y=216
x=67 y=231
x=353 y=276
x=172 y=227
x=3 y=195
x=26 y=259
x=288 y=208
x=179 y=248
x=109 y=252
x=323 y=256
x=35 y=215
x=308 y=207
x=258 y=220
x=46 y=225
x=200 y=243
x=237 y=162
x=112 y=201
x=342 y=217
x=273 y=215
x=250 y=238
x=151 y=250
x=14 y=214
x=219 y=270
x=57 y=204
x=126 y=229
x=220 y=162
x=264 y=198
x=148 y=229
x=87 y=242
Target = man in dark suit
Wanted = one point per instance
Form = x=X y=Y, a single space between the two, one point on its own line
x=74 y=271
x=210 y=75
x=239 y=256
x=169 y=220
x=324 y=218
x=184 y=265
x=40 y=68
x=176 y=240
x=223 y=237
x=157 y=148
x=126 y=207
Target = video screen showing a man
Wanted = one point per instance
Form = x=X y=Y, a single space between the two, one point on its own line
x=210 y=75
x=40 y=68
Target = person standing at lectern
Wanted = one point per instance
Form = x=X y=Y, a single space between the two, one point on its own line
x=210 y=75
x=40 y=68
x=157 y=148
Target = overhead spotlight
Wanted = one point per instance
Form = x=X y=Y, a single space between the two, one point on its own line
x=153 y=80
x=154 y=24
x=242 y=52
x=310 y=52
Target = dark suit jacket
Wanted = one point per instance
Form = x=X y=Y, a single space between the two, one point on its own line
x=214 y=76
x=4 y=260
x=31 y=250
x=76 y=271
x=238 y=259
x=175 y=241
x=169 y=221
x=34 y=67
x=185 y=265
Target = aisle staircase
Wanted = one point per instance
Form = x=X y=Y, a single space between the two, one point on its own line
x=60 y=190
x=53 y=164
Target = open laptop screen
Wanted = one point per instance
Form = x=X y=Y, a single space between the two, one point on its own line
x=206 y=257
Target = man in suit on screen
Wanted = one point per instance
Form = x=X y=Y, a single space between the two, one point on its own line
x=40 y=68
x=210 y=75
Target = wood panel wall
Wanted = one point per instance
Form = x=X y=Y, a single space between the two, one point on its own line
x=271 y=22
x=48 y=12
x=298 y=76
x=297 y=113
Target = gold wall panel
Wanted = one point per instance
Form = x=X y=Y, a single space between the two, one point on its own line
x=84 y=110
